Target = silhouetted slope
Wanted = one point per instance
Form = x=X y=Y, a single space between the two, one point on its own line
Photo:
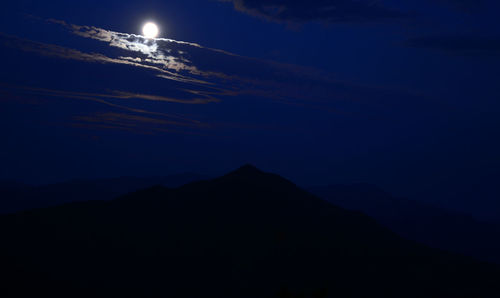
x=16 y=197
x=418 y=221
x=246 y=234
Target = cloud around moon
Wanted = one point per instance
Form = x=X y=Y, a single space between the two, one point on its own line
x=203 y=76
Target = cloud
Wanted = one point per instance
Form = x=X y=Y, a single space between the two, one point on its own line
x=168 y=53
x=329 y=11
x=133 y=123
x=459 y=44
x=221 y=73
x=105 y=100
x=52 y=50
x=120 y=116
x=201 y=75
x=204 y=98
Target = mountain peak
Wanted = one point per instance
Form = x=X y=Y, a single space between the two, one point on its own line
x=248 y=168
x=247 y=172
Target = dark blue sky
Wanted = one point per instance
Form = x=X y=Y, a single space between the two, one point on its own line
x=402 y=94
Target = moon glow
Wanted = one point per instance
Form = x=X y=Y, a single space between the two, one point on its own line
x=150 y=30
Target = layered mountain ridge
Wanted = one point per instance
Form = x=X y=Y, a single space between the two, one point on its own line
x=246 y=234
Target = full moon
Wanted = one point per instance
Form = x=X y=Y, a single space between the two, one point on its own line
x=150 y=30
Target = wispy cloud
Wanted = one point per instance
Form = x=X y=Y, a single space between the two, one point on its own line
x=204 y=98
x=103 y=99
x=52 y=50
x=215 y=73
x=170 y=54
x=330 y=11
x=133 y=123
x=201 y=76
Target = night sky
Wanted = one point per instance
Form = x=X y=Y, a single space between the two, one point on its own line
x=401 y=94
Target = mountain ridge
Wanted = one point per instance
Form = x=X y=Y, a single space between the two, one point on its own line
x=245 y=234
x=418 y=221
x=19 y=197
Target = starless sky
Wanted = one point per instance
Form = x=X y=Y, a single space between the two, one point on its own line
x=402 y=94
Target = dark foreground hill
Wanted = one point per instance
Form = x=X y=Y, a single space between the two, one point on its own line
x=418 y=221
x=246 y=234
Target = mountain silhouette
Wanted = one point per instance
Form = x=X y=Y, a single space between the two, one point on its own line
x=419 y=221
x=16 y=197
x=246 y=234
